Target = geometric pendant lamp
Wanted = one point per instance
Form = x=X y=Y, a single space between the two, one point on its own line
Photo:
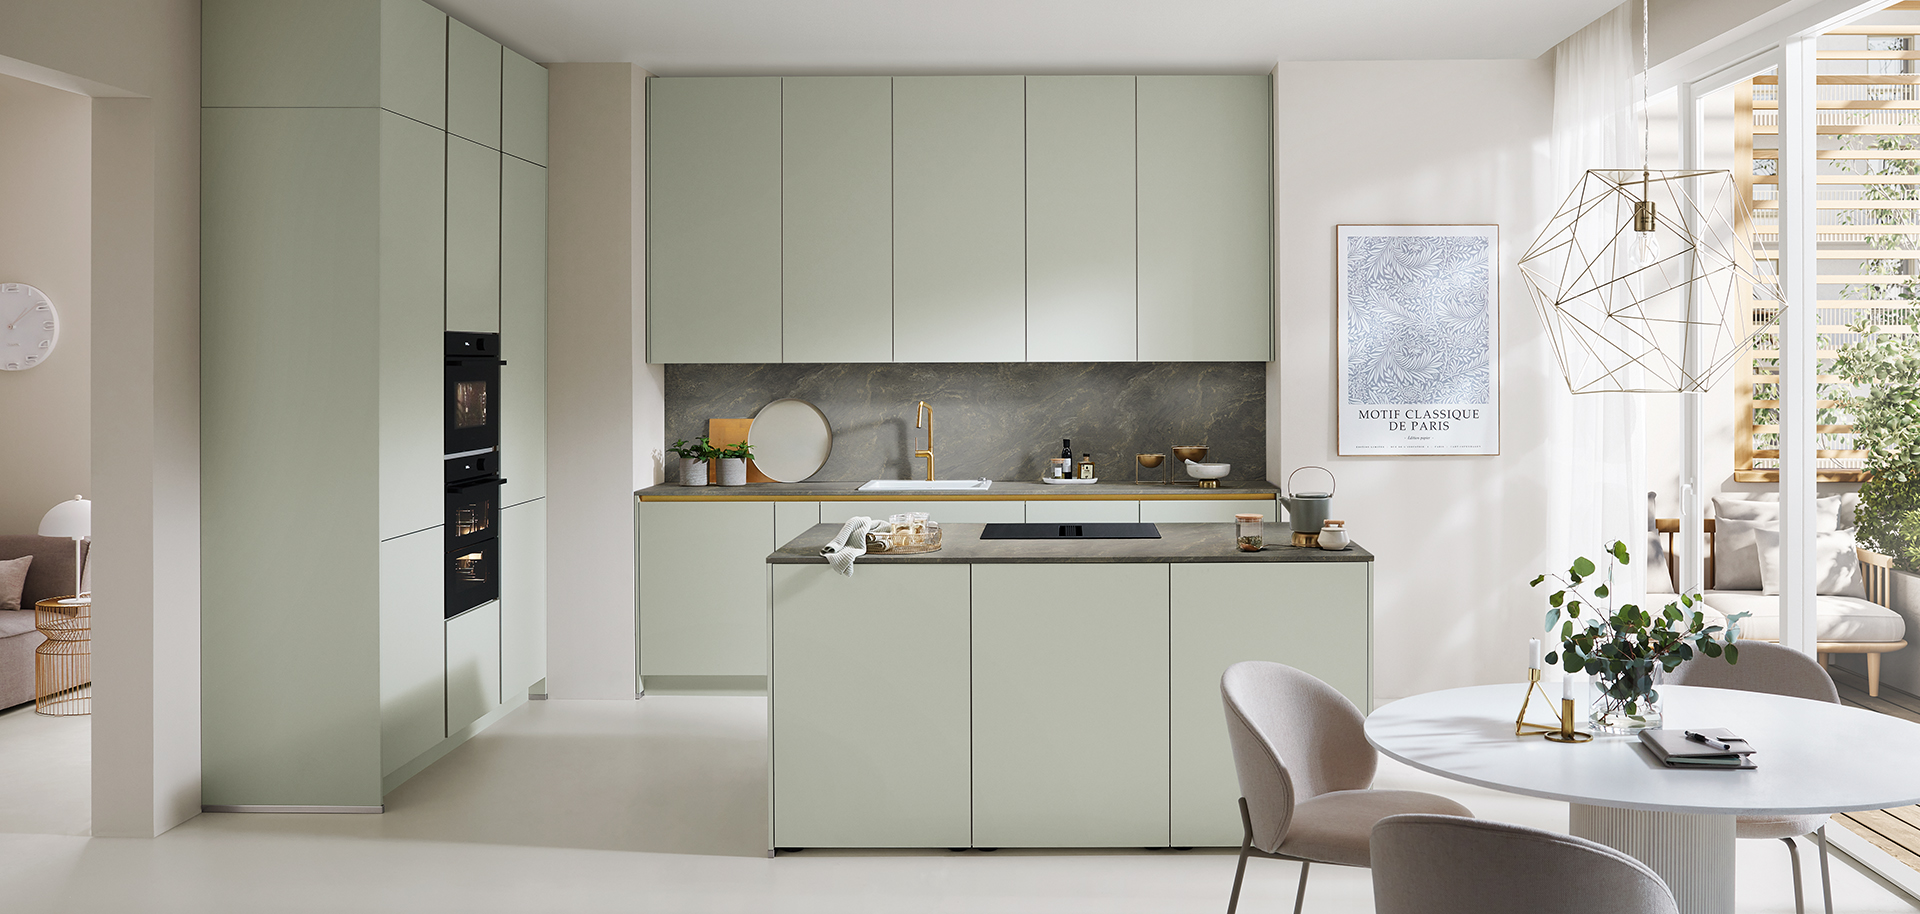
x=1637 y=265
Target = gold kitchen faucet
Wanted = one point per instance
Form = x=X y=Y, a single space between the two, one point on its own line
x=923 y=410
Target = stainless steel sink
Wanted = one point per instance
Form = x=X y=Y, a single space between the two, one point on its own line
x=926 y=485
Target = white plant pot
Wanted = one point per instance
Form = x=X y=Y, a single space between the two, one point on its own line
x=733 y=471
x=693 y=471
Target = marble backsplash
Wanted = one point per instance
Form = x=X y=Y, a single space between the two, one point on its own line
x=997 y=420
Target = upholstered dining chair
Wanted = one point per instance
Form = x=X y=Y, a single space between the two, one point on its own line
x=1305 y=767
x=1426 y=864
x=1770 y=668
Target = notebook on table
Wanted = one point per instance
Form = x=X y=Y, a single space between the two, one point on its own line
x=1675 y=749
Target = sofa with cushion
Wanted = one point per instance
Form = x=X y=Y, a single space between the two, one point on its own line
x=1742 y=575
x=49 y=574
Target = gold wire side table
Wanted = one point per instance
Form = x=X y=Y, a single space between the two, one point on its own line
x=63 y=664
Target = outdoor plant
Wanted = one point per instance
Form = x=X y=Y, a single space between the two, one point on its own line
x=1623 y=648
x=700 y=449
x=1883 y=371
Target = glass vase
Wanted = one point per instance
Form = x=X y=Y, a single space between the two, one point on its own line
x=1627 y=702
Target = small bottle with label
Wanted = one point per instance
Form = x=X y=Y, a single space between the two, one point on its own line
x=1062 y=467
x=1084 y=469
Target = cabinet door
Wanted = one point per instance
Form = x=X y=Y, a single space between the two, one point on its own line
x=1080 y=211
x=703 y=588
x=837 y=219
x=413 y=671
x=523 y=108
x=473 y=85
x=946 y=512
x=523 y=597
x=959 y=176
x=1203 y=511
x=523 y=330
x=713 y=211
x=412 y=298
x=375 y=53
x=1070 y=706
x=1317 y=618
x=473 y=237
x=1083 y=512
x=473 y=665
x=869 y=707
x=1205 y=197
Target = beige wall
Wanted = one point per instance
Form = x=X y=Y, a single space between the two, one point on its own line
x=45 y=196
x=1457 y=538
x=140 y=60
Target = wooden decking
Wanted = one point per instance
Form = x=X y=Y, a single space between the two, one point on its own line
x=1896 y=831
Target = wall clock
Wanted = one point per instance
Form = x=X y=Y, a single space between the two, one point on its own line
x=31 y=327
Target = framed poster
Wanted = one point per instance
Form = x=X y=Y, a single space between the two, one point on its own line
x=1418 y=327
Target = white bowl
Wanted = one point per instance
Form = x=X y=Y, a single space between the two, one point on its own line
x=1208 y=470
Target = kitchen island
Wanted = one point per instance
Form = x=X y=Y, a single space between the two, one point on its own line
x=1037 y=693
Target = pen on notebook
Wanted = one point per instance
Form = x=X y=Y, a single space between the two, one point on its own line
x=1710 y=741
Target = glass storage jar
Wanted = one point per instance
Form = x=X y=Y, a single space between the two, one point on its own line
x=1250 y=532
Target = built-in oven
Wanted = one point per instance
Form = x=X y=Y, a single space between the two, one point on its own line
x=473 y=511
x=473 y=392
x=473 y=576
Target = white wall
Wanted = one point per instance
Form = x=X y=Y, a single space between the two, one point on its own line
x=605 y=409
x=45 y=241
x=1456 y=538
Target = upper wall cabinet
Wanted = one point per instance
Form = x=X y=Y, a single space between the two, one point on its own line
x=713 y=211
x=342 y=54
x=1205 y=218
x=959 y=189
x=473 y=85
x=837 y=219
x=523 y=108
x=1080 y=230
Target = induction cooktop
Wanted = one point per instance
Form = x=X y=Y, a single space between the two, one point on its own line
x=1070 y=532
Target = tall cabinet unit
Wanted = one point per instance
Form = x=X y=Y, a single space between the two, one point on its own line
x=326 y=195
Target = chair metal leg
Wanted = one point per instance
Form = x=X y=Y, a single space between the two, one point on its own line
x=1826 y=881
x=1799 y=900
x=1300 y=897
x=1246 y=845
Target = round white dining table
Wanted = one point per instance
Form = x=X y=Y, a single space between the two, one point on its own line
x=1813 y=757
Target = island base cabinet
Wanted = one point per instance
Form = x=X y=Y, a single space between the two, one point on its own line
x=870 y=709
x=1070 y=706
x=1315 y=617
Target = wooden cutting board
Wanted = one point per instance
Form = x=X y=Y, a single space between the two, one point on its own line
x=722 y=432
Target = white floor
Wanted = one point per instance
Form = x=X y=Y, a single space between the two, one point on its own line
x=655 y=805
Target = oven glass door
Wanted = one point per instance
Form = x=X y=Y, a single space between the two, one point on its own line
x=472 y=405
x=473 y=512
x=473 y=576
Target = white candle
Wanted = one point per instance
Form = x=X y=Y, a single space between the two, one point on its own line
x=1566 y=686
x=1533 y=653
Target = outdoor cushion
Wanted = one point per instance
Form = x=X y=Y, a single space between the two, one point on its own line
x=1827 y=511
x=1736 y=554
x=1836 y=565
x=1842 y=619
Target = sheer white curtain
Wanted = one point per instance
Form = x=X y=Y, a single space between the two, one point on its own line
x=1605 y=477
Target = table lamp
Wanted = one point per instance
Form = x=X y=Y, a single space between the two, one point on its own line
x=72 y=519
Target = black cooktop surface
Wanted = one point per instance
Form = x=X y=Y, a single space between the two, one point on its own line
x=1070 y=532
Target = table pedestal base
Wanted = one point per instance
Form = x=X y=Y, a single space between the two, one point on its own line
x=1693 y=853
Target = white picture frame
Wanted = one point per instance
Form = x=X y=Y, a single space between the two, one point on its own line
x=1417 y=324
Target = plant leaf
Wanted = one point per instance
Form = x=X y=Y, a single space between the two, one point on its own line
x=1583 y=566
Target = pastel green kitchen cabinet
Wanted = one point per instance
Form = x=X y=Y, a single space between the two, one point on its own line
x=1205 y=218
x=946 y=512
x=473 y=665
x=523 y=108
x=1070 y=725
x=413 y=647
x=713 y=212
x=959 y=200
x=523 y=597
x=1316 y=617
x=473 y=237
x=1080 y=219
x=1204 y=511
x=523 y=330
x=836 y=219
x=473 y=85
x=703 y=589
x=869 y=723
x=337 y=54
x=1083 y=512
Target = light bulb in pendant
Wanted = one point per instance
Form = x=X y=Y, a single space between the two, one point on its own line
x=1646 y=249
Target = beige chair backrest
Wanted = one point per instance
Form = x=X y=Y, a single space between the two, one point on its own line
x=1426 y=864
x=1294 y=738
x=1763 y=667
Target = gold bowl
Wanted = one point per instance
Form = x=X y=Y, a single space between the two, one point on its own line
x=1150 y=460
x=1194 y=452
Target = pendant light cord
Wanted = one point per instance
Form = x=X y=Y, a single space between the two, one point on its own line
x=1646 y=113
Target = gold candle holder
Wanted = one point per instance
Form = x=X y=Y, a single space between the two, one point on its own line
x=1522 y=726
x=1566 y=733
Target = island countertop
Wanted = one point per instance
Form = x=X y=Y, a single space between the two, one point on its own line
x=1003 y=490
x=1178 y=543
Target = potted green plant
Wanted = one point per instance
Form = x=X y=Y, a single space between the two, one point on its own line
x=693 y=459
x=733 y=463
x=1882 y=401
x=1627 y=651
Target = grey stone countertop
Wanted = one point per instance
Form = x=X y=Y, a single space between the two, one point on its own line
x=961 y=545
x=1001 y=491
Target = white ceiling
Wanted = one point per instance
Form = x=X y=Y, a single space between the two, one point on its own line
x=705 y=37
